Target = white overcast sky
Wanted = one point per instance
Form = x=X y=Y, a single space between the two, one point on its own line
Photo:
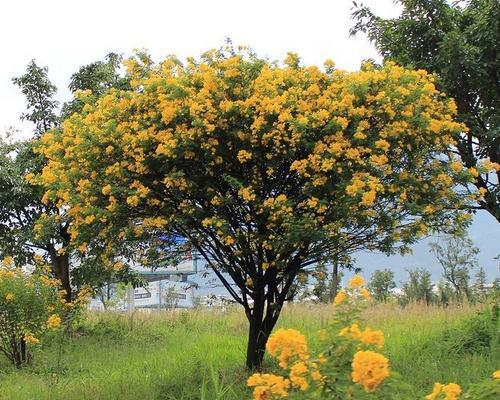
x=64 y=35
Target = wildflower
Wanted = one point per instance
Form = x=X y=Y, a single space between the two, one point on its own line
x=496 y=374
x=287 y=344
x=376 y=338
x=297 y=373
x=369 y=369
x=353 y=331
x=340 y=297
x=30 y=339
x=267 y=385
x=356 y=282
x=10 y=296
x=452 y=390
x=316 y=375
x=54 y=322
x=368 y=198
x=435 y=392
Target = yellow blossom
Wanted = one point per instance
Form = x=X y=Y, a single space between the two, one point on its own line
x=30 y=339
x=268 y=386
x=287 y=345
x=247 y=194
x=452 y=391
x=54 y=322
x=355 y=282
x=297 y=375
x=436 y=391
x=369 y=369
x=244 y=156
x=340 y=297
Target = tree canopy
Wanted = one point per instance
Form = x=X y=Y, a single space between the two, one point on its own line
x=459 y=42
x=265 y=168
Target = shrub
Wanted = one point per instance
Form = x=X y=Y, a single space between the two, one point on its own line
x=30 y=305
x=478 y=334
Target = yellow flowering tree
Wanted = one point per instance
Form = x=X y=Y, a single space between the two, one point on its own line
x=30 y=305
x=265 y=168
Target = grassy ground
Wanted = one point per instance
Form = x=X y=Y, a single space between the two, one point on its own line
x=199 y=354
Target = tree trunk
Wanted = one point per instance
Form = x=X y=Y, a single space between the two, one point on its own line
x=334 y=282
x=19 y=352
x=260 y=327
x=22 y=351
x=60 y=266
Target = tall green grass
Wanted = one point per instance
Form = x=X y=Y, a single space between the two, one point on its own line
x=199 y=354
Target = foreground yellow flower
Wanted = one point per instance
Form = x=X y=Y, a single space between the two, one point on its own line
x=496 y=374
x=356 y=282
x=435 y=391
x=369 y=369
x=287 y=345
x=297 y=375
x=451 y=391
x=268 y=386
x=369 y=336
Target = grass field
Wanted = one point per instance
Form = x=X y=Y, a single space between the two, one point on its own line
x=199 y=354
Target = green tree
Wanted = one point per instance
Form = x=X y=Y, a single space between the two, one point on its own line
x=457 y=256
x=98 y=77
x=381 y=283
x=29 y=223
x=459 y=42
x=265 y=169
x=418 y=288
x=21 y=204
x=480 y=285
x=327 y=277
x=445 y=293
x=39 y=93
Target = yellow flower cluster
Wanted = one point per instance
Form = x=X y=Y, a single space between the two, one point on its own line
x=268 y=386
x=288 y=345
x=54 y=322
x=340 y=297
x=451 y=391
x=369 y=369
x=366 y=336
x=356 y=282
x=30 y=339
x=354 y=289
